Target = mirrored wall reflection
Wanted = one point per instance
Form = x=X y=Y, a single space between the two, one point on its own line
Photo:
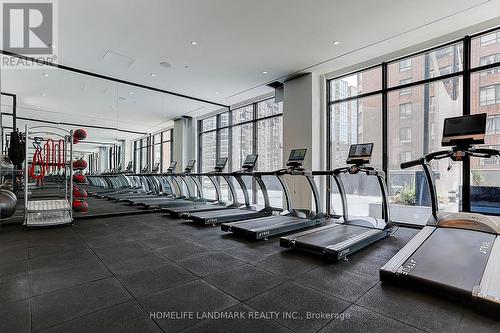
x=114 y=114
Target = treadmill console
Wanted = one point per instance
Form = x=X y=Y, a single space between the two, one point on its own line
x=129 y=166
x=360 y=154
x=156 y=168
x=172 y=166
x=145 y=169
x=190 y=166
x=220 y=164
x=464 y=130
x=296 y=158
x=249 y=163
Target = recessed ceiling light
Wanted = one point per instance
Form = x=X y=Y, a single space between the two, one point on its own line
x=194 y=43
x=264 y=72
x=153 y=74
x=45 y=74
x=38 y=107
x=336 y=42
x=216 y=92
x=130 y=92
x=165 y=64
x=43 y=94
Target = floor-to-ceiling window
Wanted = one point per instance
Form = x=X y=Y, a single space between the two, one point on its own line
x=154 y=150
x=252 y=129
x=400 y=106
x=485 y=98
x=355 y=116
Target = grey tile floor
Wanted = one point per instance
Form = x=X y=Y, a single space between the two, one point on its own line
x=109 y=274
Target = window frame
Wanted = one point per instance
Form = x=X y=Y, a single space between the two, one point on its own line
x=464 y=73
x=230 y=125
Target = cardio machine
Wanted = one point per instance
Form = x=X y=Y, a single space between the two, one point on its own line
x=290 y=220
x=246 y=169
x=349 y=234
x=457 y=253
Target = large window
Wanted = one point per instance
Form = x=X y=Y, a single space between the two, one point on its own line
x=418 y=93
x=251 y=129
x=153 y=150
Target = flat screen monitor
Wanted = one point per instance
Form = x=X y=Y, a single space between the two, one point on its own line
x=360 y=153
x=156 y=167
x=250 y=160
x=172 y=165
x=297 y=155
x=190 y=164
x=464 y=130
x=221 y=163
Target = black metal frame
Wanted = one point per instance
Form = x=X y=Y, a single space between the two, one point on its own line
x=150 y=146
x=105 y=77
x=254 y=121
x=465 y=73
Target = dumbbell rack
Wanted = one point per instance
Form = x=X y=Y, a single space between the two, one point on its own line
x=49 y=212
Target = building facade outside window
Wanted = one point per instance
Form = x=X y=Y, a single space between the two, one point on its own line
x=252 y=129
x=414 y=117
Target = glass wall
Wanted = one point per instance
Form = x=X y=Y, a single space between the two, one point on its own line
x=418 y=93
x=251 y=129
x=485 y=98
x=154 y=150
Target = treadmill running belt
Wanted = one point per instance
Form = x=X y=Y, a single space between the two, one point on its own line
x=269 y=221
x=451 y=258
x=331 y=236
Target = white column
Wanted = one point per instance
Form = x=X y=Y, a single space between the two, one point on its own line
x=303 y=128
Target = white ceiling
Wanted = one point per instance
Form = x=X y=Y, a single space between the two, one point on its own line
x=237 y=41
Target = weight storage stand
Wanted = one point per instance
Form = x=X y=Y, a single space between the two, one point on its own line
x=49 y=212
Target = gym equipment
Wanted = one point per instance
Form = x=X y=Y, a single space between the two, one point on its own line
x=8 y=201
x=48 y=212
x=290 y=220
x=79 y=193
x=80 y=206
x=80 y=164
x=169 y=199
x=235 y=214
x=79 y=179
x=80 y=134
x=246 y=168
x=349 y=234
x=455 y=254
x=75 y=140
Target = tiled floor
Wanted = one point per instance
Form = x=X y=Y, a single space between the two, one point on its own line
x=109 y=274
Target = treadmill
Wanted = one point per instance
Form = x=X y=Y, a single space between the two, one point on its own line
x=248 y=211
x=246 y=169
x=455 y=254
x=289 y=220
x=154 y=188
x=348 y=234
x=181 y=198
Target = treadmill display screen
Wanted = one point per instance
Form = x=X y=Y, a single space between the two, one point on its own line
x=297 y=155
x=361 y=150
x=172 y=165
x=221 y=163
x=190 y=164
x=250 y=160
x=360 y=153
x=464 y=129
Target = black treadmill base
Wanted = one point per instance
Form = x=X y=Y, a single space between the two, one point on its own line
x=455 y=296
